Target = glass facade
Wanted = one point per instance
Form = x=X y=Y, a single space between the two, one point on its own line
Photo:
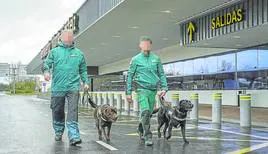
x=246 y=69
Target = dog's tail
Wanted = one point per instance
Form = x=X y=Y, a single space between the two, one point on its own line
x=94 y=105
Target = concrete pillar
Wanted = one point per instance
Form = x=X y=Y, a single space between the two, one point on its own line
x=105 y=98
x=126 y=106
x=217 y=108
x=111 y=99
x=80 y=98
x=195 y=111
x=135 y=105
x=99 y=99
x=245 y=110
x=95 y=98
x=175 y=97
x=119 y=102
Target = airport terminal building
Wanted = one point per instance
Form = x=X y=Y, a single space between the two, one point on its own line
x=213 y=46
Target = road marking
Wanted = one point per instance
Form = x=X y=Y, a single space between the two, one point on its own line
x=83 y=133
x=220 y=139
x=107 y=145
x=249 y=149
x=226 y=131
x=210 y=138
x=40 y=100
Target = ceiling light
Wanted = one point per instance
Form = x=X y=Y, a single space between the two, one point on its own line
x=164 y=39
x=236 y=37
x=116 y=36
x=103 y=43
x=134 y=27
x=166 y=11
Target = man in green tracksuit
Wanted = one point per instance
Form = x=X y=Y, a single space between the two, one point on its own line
x=68 y=65
x=147 y=71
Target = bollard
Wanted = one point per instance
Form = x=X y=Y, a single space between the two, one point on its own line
x=119 y=103
x=126 y=107
x=175 y=99
x=194 y=113
x=95 y=98
x=245 y=110
x=135 y=105
x=111 y=99
x=81 y=98
x=216 y=108
x=105 y=98
x=99 y=99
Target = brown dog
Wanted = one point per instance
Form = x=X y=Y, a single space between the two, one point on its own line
x=104 y=116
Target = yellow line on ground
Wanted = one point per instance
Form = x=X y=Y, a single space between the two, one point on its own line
x=249 y=149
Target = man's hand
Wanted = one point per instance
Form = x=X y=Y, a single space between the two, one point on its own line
x=86 y=87
x=162 y=93
x=129 y=98
x=47 y=76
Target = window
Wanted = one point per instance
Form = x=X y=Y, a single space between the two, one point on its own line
x=178 y=69
x=253 y=80
x=168 y=69
x=247 y=60
x=226 y=63
x=210 y=65
x=188 y=67
x=199 y=66
x=263 y=57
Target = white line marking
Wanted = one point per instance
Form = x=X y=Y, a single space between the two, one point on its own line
x=83 y=133
x=220 y=139
x=226 y=131
x=107 y=145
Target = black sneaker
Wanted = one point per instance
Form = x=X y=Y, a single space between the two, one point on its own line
x=74 y=142
x=58 y=138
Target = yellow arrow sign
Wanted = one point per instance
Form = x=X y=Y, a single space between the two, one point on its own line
x=191 y=30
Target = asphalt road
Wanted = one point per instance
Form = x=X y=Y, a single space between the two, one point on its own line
x=26 y=127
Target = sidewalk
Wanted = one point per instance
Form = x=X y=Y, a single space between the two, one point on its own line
x=232 y=114
x=229 y=114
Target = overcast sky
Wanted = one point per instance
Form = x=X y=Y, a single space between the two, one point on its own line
x=27 y=25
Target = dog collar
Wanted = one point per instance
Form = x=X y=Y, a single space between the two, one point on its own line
x=103 y=118
x=179 y=119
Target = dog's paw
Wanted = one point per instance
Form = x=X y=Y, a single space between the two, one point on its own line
x=168 y=137
x=108 y=139
x=159 y=135
x=186 y=142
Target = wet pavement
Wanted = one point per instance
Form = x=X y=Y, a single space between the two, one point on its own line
x=26 y=127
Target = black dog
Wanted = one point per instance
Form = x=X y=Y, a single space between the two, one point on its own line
x=104 y=116
x=173 y=117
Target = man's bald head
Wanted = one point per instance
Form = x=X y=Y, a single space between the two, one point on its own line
x=67 y=37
